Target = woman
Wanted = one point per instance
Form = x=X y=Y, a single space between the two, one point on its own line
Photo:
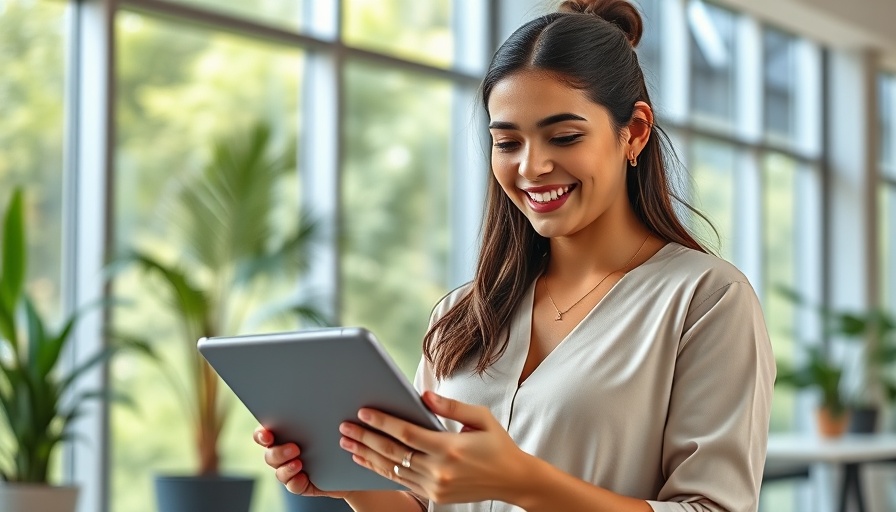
x=600 y=360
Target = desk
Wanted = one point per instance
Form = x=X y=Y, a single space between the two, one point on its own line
x=848 y=452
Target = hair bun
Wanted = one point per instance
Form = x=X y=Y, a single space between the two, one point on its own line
x=618 y=12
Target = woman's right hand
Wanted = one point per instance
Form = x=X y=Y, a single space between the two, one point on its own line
x=284 y=458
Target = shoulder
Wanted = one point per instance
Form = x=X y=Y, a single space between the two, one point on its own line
x=700 y=279
x=676 y=265
x=448 y=301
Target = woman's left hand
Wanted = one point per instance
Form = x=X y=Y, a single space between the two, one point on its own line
x=480 y=463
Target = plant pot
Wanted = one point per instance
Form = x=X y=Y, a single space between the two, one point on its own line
x=297 y=503
x=195 y=493
x=830 y=425
x=863 y=420
x=16 y=497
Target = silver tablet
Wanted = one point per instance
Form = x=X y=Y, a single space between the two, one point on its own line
x=301 y=385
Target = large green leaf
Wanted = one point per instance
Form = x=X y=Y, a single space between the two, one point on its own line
x=12 y=271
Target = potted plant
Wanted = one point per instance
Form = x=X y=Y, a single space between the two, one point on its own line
x=820 y=373
x=223 y=219
x=35 y=394
x=875 y=329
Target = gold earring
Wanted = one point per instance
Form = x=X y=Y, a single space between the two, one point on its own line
x=632 y=161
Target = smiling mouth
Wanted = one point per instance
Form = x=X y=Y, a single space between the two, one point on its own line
x=550 y=195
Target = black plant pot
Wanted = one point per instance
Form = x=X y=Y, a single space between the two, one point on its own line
x=201 y=493
x=296 y=503
x=863 y=420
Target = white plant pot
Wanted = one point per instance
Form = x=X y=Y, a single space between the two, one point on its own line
x=17 y=497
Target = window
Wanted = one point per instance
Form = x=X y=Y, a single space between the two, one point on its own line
x=887 y=195
x=179 y=89
x=403 y=103
x=713 y=58
x=395 y=204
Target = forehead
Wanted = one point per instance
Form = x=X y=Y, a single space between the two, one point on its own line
x=533 y=95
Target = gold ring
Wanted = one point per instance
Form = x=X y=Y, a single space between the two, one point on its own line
x=396 y=469
x=406 y=461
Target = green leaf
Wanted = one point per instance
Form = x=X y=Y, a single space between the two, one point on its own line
x=191 y=302
x=12 y=271
x=8 y=329
x=37 y=341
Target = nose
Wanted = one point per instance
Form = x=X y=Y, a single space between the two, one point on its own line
x=535 y=163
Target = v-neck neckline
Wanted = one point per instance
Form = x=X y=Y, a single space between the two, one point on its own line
x=528 y=311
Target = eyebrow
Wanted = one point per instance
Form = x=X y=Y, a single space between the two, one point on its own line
x=556 y=118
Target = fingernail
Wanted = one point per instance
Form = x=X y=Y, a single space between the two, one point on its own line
x=290 y=451
x=365 y=415
x=435 y=398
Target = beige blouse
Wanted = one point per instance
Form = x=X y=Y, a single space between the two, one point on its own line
x=662 y=392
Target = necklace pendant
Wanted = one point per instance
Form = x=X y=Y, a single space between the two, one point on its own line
x=559 y=317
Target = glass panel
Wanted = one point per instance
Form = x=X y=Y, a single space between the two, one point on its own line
x=779 y=84
x=649 y=48
x=32 y=56
x=712 y=168
x=169 y=111
x=289 y=14
x=887 y=89
x=394 y=258
x=888 y=246
x=713 y=53
x=780 y=255
x=408 y=29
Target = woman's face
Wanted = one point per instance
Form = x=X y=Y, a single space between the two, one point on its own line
x=556 y=154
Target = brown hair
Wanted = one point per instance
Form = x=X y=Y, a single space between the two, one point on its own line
x=590 y=46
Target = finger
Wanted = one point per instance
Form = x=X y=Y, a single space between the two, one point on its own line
x=388 y=448
x=299 y=484
x=287 y=471
x=473 y=416
x=410 y=435
x=279 y=455
x=382 y=467
x=263 y=436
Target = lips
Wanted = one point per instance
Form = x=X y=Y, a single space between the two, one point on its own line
x=546 y=199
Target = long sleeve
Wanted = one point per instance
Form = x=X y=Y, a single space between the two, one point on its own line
x=717 y=426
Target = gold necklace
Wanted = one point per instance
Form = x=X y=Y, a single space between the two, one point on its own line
x=561 y=313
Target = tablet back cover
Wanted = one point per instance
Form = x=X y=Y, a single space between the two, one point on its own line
x=301 y=385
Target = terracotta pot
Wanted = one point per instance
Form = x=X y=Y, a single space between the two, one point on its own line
x=16 y=497
x=832 y=425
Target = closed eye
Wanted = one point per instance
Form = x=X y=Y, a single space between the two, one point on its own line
x=506 y=146
x=565 y=140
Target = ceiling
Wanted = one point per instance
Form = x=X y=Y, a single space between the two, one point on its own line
x=853 y=24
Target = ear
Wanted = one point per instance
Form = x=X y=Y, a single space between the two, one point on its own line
x=639 y=128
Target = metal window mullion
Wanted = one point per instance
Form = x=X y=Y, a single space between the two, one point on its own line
x=470 y=24
x=317 y=39
x=469 y=179
x=749 y=195
x=749 y=216
x=469 y=165
x=88 y=181
x=321 y=168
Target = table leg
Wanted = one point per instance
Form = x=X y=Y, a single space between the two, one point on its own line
x=851 y=481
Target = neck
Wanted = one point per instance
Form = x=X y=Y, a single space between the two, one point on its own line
x=599 y=249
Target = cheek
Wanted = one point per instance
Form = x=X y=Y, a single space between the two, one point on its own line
x=504 y=171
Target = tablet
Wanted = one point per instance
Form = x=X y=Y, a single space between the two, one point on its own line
x=301 y=385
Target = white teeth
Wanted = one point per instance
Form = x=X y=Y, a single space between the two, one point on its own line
x=545 y=197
